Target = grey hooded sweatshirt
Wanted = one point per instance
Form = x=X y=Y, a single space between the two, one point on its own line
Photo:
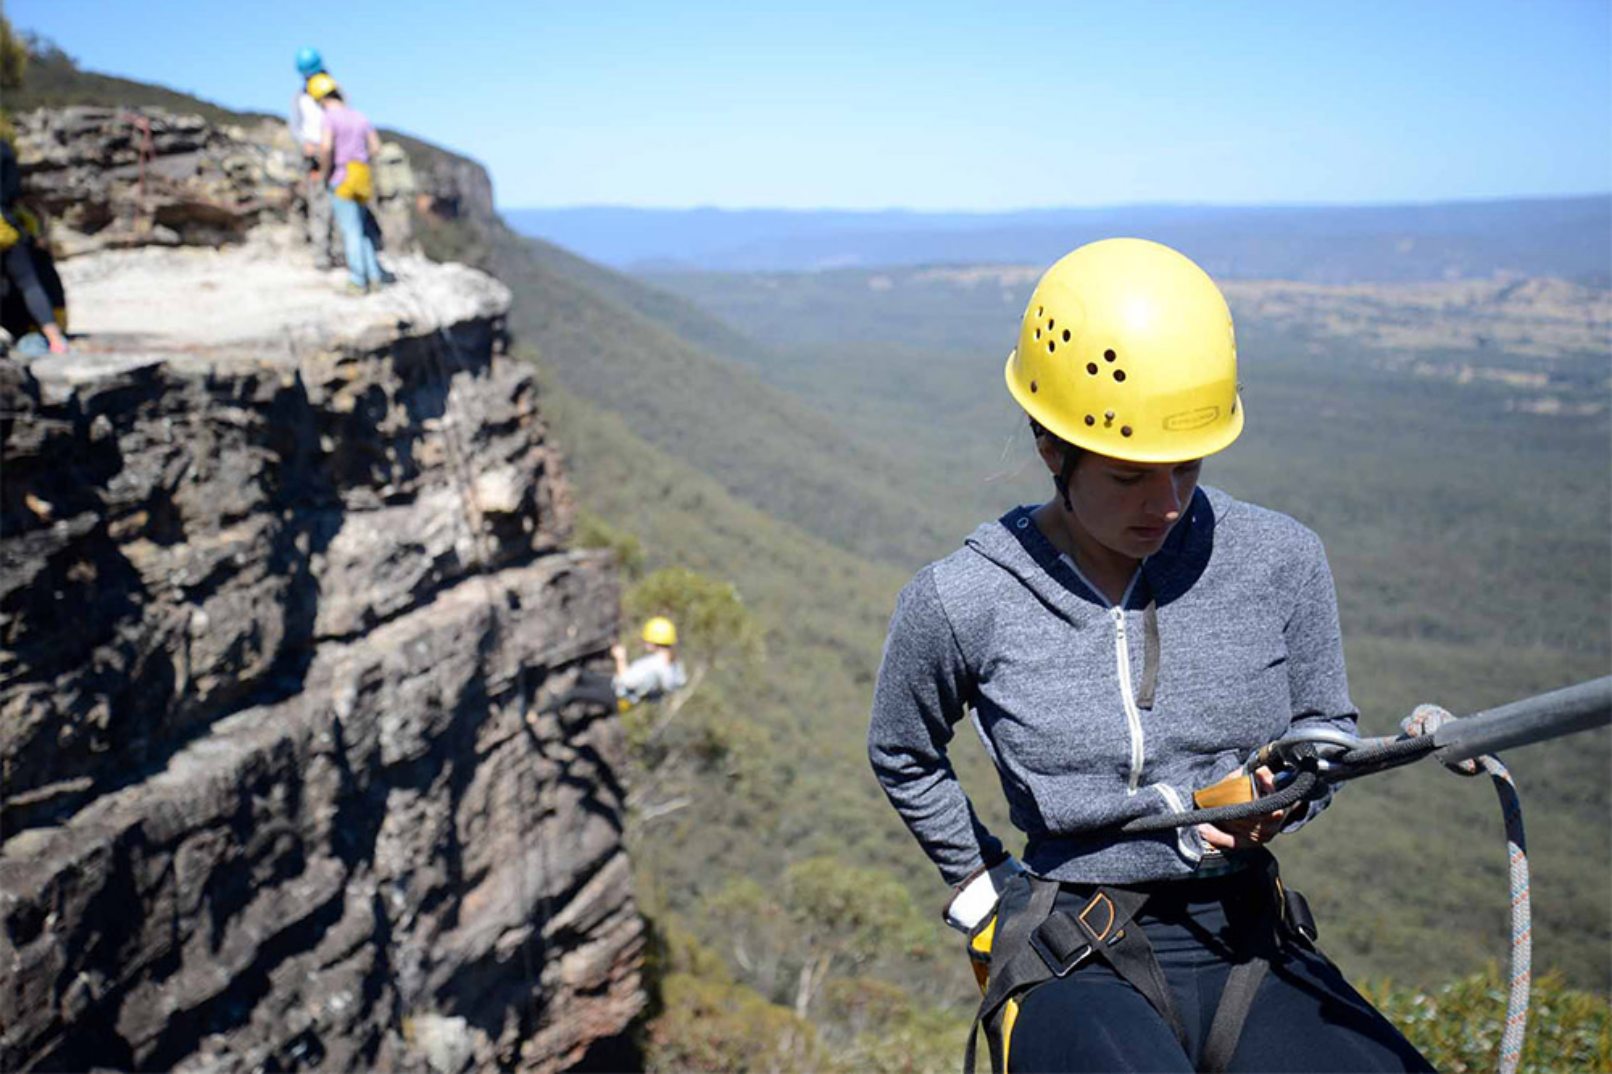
x=1091 y=716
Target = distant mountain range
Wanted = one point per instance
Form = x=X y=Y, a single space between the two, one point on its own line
x=1566 y=237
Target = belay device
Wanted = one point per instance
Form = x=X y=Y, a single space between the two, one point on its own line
x=1307 y=763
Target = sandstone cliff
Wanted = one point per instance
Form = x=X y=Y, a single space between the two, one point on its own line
x=284 y=597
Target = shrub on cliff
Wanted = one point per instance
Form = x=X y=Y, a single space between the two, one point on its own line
x=1458 y=1025
x=13 y=62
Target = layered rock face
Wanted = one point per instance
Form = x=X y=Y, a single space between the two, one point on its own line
x=284 y=605
x=120 y=178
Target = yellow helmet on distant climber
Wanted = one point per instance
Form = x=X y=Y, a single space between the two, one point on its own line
x=321 y=86
x=660 y=631
x=1126 y=349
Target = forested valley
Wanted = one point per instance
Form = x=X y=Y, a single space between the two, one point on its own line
x=779 y=452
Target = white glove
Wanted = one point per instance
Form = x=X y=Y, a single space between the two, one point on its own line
x=976 y=897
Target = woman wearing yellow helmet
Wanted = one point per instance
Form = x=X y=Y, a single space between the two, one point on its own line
x=1126 y=643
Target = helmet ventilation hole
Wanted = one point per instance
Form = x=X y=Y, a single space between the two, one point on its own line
x=1051 y=324
x=1091 y=367
x=1119 y=376
x=1125 y=430
x=1039 y=310
x=1090 y=420
x=1032 y=387
x=1051 y=346
x=1066 y=335
x=1109 y=356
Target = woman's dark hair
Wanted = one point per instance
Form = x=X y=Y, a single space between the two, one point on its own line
x=1071 y=459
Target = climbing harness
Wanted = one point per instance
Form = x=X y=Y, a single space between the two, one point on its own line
x=1027 y=941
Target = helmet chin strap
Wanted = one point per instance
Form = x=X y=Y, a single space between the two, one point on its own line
x=1071 y=456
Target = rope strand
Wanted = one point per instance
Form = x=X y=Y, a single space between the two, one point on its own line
x=1422 y=723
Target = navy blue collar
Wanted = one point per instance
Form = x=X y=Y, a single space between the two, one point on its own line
x=1166 y=575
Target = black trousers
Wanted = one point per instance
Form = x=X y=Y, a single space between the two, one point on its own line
x=591 y=688
x=1305 y=1016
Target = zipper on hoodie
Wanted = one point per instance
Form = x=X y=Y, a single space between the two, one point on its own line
x=1133 y=715
x=1122 y=656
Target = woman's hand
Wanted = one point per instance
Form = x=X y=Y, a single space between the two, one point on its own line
x=1252 y=831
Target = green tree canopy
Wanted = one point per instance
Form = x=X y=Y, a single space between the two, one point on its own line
x=711 y=618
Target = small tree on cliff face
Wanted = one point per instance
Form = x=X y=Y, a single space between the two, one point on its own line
x=13 y=56
x=13 y=62
x=591 y=531
x=714 y=628
x=822 y=918
x=845 y=917
x=712 y=622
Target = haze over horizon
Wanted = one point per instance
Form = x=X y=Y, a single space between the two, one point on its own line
x=943 y=108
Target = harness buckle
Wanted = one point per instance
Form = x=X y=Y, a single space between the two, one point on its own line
x=1060 y=944
x=1065 y=940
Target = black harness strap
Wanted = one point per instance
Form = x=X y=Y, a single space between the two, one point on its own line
x=1236 y=1000
x=1286 y=917
x=1036 y=943
x=1011 y=954
x=1132 y=957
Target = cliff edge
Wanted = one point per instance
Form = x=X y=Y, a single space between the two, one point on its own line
x=284 y=594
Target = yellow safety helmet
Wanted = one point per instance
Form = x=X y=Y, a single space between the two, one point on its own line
x=1126 y=349
x=321 y=86
x=660 y=631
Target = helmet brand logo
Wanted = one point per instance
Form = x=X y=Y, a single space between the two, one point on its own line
x=1187 y=420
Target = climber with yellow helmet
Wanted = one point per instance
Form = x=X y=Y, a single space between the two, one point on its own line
x=349 y=144
x=1120 y=648
x=649 y=678
x=657 y=672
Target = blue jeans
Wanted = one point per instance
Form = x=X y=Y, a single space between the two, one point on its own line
x=362 y=267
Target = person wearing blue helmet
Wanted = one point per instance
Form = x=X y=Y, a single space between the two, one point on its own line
x=308 y=131
x=309 y=62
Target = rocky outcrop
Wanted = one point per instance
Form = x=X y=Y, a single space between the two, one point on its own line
x=284 y=604
x=452 y=188
x=112 y=178
x=122 y=177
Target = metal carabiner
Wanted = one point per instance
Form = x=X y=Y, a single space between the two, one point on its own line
x=1319 y=746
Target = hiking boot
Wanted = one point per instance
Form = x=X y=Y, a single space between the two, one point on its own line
x=355 y=289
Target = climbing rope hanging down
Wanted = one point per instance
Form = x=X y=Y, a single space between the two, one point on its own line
x=447 y=362
x=1307 y=761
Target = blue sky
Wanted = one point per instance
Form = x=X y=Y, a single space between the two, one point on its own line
x=932 y=105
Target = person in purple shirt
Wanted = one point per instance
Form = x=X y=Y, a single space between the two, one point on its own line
x=350 y=142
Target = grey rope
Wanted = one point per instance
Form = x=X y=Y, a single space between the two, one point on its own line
x=1368 y=756
x=1425 y=720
